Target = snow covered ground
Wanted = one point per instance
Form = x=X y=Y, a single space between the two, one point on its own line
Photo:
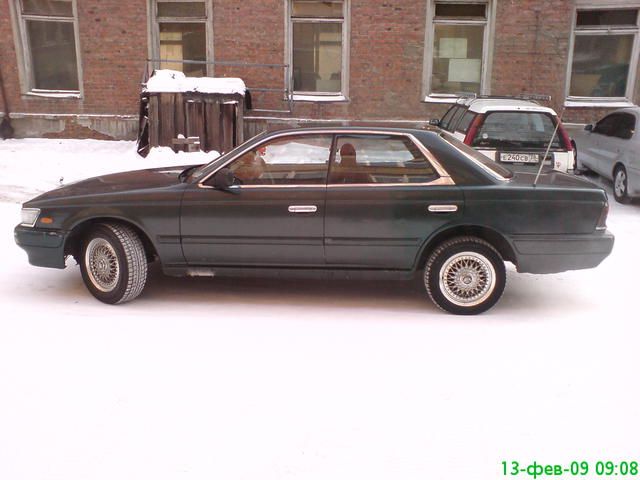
x=263 y=379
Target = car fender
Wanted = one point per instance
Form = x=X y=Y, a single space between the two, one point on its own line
x=501 y=242
x=90 y=215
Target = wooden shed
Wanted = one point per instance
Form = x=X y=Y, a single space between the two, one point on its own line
x=187 y=113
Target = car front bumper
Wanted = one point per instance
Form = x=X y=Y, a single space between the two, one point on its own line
x=45 y=248
x=559 y=253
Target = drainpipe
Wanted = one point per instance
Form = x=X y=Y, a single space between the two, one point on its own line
x=6 y=130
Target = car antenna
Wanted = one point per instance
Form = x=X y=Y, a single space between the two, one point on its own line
x=555 y=130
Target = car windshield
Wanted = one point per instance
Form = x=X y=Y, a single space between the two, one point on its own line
x=495 y=169
x=516 y=130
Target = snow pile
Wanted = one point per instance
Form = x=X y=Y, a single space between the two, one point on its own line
x=32 y=166
x=172 y=81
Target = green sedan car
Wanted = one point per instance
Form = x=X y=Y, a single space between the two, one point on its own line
x=348 y=202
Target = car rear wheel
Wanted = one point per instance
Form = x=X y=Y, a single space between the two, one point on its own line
x=620 y=191
x=113 y=263
x=465 y=276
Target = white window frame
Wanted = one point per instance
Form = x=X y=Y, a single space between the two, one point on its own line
x=487 y=51
x=584 y=5
x=343 y=95
x=26 y=73
x=154 y=29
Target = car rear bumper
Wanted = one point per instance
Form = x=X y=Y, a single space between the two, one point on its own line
x=45 y=248
x=559 y=253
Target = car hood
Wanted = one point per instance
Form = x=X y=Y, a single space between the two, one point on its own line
x=116 y=183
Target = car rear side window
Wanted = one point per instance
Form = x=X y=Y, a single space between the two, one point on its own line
x=456 y=118
x=464 y=124
x=446 y=118
x=365 y=159
x=505 y=130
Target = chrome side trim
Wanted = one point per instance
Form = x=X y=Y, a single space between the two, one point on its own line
x=337 y=131
x=442 y=181
x=442 y=208
x=437 y=181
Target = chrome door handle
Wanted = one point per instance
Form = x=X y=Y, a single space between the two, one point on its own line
x=443 y=208
x=303 y=208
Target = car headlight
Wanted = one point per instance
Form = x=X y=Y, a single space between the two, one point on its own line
x=29 y=216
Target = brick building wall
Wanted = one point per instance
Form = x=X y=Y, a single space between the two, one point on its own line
x=531 y=50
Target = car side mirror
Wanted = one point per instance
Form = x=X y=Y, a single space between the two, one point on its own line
x=435 y=122
x=223 y=179
x=588 y=128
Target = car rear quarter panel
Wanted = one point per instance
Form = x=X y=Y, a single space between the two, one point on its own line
x=528 y=210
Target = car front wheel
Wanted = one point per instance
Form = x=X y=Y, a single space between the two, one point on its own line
x=620 y=191
x=465 y=276
x=113 y=263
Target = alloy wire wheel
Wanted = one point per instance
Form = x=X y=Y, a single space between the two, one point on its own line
x=102 y=265
x=465 y=275
x=620 y=185
x=113 y=263
x=467 y=279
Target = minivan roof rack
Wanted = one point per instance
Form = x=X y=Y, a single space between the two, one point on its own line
x=534 y=97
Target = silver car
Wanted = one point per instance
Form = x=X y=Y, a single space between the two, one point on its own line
x=611 y=148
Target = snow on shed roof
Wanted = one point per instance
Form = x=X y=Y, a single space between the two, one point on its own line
x=172 y=81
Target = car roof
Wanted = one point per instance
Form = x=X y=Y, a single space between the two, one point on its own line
x=634 y=109
x=354 y=128
x=484 y=105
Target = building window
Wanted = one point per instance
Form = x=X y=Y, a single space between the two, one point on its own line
x=457 y=47
x=318 y=39
x=605 y=55
x=48 y=31
x=182 y=36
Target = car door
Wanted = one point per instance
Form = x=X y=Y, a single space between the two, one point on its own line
x=271 y=216
x=385 y=196
x=596 y=144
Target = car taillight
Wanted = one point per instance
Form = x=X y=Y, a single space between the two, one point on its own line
x=565 y=138
x=473 y=129
x=602 y=221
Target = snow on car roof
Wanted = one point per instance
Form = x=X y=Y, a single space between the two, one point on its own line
x=484 y=105
x=172 y=81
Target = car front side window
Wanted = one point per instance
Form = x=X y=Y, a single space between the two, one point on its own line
x=293 y=160
x=606 y=126
x=379 y=159
x=624 y=127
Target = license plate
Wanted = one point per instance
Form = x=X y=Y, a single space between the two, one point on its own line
x=519 y=157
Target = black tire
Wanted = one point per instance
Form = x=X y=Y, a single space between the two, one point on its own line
x=476 y=273
x=113 y=263
x=620 y=190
